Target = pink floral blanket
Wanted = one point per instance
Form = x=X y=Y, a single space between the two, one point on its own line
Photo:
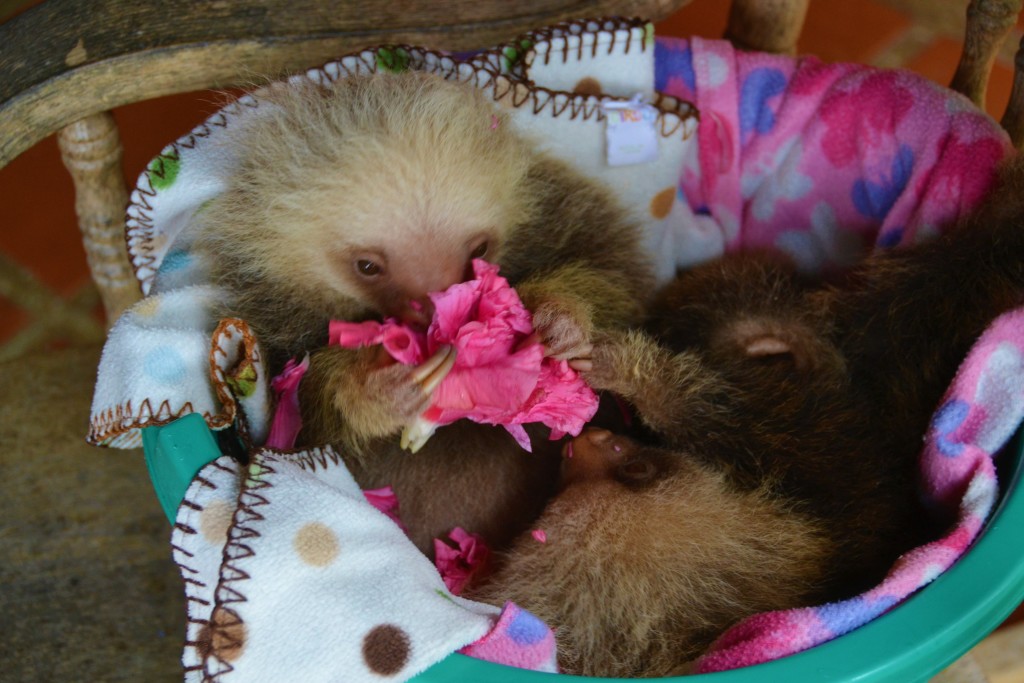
x=825 y=162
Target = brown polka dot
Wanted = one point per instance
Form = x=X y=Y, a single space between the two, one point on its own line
x=214 y=521
x=228 y=634
x=662 y=202
x=316 y=544
x=587 y=86
x=386 y=650
x=204 y=642
x=147 y=308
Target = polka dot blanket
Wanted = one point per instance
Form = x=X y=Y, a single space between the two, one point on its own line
x=821 y=162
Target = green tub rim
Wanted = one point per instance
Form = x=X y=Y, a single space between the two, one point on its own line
x=911 y=643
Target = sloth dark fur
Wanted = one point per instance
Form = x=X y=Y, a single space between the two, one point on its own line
x=783 y=425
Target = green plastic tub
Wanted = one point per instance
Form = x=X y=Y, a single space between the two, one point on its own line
x=911 y=643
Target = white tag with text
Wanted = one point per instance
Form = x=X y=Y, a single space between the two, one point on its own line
x=630 y=132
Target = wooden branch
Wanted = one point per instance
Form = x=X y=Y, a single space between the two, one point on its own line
x=66 y=59
x=988 y=23
x=1013 y=117
x=91 y=150
x=766 y=25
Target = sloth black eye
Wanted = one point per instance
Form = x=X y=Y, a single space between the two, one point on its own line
x=368 y=268
x=479 y=251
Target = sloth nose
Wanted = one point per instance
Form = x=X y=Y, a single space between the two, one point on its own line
x=589 y=444
x=418 y=311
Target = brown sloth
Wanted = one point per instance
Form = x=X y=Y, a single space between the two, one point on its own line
x=354 y=200
x=783 y=421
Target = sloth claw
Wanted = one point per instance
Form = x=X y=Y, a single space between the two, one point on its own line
x=426 y=377
x=415 y=435
x=579 y=354
x=432 y=371
x=581 y=364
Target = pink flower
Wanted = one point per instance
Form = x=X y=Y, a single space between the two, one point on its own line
x=385 y=500
x=402 y=343
x=497 y=378
x=287 y=419
x=458 y=565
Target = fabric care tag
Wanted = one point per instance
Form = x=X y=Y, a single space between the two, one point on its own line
x=630 y=132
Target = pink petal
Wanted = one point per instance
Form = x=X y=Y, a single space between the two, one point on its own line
x=519 y=434
x=385 y=500
x=562 y=400
x=457 y=565
x=287 y=422
x=403 y=343
x=495 y=379
x=494 y=391
x=354 y=335
x=453 y=308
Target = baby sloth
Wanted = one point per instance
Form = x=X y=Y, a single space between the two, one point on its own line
x=784 y=422
x=354 y=200
x=658 y=543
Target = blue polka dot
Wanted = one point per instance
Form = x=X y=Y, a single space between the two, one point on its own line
x=875 y=199
x=947 y=420
x=890 y=238
x=841 y=617
x=670 y=61
x=164 y=364
x=527 y=629
x=759 y=87
x=175 y=260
